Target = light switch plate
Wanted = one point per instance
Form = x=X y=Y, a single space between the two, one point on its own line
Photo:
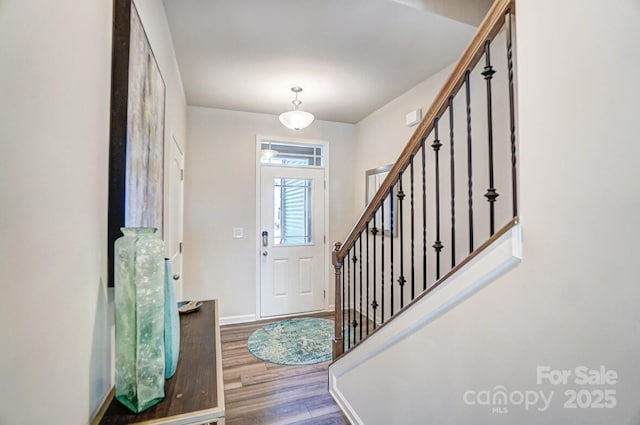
x=238 y=233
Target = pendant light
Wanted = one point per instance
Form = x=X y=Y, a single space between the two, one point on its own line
x=296 y=119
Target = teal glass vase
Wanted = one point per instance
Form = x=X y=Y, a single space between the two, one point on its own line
x=172 y=323
x=139 y=318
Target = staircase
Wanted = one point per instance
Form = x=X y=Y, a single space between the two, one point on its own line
x=444 y=223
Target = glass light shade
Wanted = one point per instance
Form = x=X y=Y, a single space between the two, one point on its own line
x=296 y=119
x=268 y=153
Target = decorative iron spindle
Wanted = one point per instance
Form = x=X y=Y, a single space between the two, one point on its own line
x=354 y=323
x=413 y=271
x=382 y=263
x=401 y=279
x=348 y=322
x=391 y=243
x=367 y=297
x=424 y=216
x=436 y=145
x=512 y=114
x=467 y=85
x=453 y=186
x=360 y=293
x=491 y=194
x=374 y=303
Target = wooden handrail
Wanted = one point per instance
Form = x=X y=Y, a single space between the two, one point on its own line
x=487 y=30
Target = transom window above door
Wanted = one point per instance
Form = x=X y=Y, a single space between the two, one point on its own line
x=295 y=155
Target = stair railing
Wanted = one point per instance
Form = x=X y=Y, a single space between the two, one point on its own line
x=399 y=249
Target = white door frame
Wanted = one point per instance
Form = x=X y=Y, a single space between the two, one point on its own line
x=168 y=232
x=327 y=255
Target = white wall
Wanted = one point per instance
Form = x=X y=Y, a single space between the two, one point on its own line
x=381 y=136
x=574 y=299
x=54 y=107
x=220 y=194
x=56 y=312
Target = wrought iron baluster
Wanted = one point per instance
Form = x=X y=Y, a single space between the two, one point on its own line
x=354 y=323
x=453 y=186
x=348 y=322
x=424 y=216
x=437 y=245
x=467 y=85
x=367 y=298
x=401 y=279
x=512 y=118
x=413 y=270
x=491 y=194
x=374 y=303
x=382 y=262
x=391 y=243
x=360 y=292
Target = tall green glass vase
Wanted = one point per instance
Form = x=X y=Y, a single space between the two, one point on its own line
x=139 y=317
x=171 y=324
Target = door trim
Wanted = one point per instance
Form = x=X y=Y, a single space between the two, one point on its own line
x=327 y=230
x=168 y=210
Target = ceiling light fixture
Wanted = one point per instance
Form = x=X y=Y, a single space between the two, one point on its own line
x=296 y=119
x=268 y=153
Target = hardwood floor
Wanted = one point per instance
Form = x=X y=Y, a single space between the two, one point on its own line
x=261 y=393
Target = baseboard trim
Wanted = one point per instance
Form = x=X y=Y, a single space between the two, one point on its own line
x=245 y=318
x=344 y=405
x=106 y=401
x=229 y=320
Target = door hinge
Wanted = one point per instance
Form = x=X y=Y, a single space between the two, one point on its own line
x=180 y=247
x=182 y=174
x=324 y=294
x=325 y=185
x=325 y=239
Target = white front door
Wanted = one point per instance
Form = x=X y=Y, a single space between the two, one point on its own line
x=291 y=240
x=175 y=205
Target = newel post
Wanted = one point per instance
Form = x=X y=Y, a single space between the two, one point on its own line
x=338 y=346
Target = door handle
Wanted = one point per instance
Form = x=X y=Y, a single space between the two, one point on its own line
x=176 y=276
x=265 y=253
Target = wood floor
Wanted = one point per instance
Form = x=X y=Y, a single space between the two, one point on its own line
x=261 y=393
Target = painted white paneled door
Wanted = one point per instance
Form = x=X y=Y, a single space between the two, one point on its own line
x=175 y=216
x=292 y=240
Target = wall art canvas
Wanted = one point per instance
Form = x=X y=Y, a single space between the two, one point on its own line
x=136 y=155
x=145 y=134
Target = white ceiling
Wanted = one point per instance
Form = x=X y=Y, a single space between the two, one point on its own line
x=350 y=56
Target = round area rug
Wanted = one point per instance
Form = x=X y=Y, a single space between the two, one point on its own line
x=299 y=341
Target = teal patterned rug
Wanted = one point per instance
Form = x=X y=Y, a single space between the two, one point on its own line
x=298 y=341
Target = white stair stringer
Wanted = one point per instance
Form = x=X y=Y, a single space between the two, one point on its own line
x=494 y=261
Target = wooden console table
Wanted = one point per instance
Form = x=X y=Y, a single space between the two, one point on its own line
x=194 y=395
